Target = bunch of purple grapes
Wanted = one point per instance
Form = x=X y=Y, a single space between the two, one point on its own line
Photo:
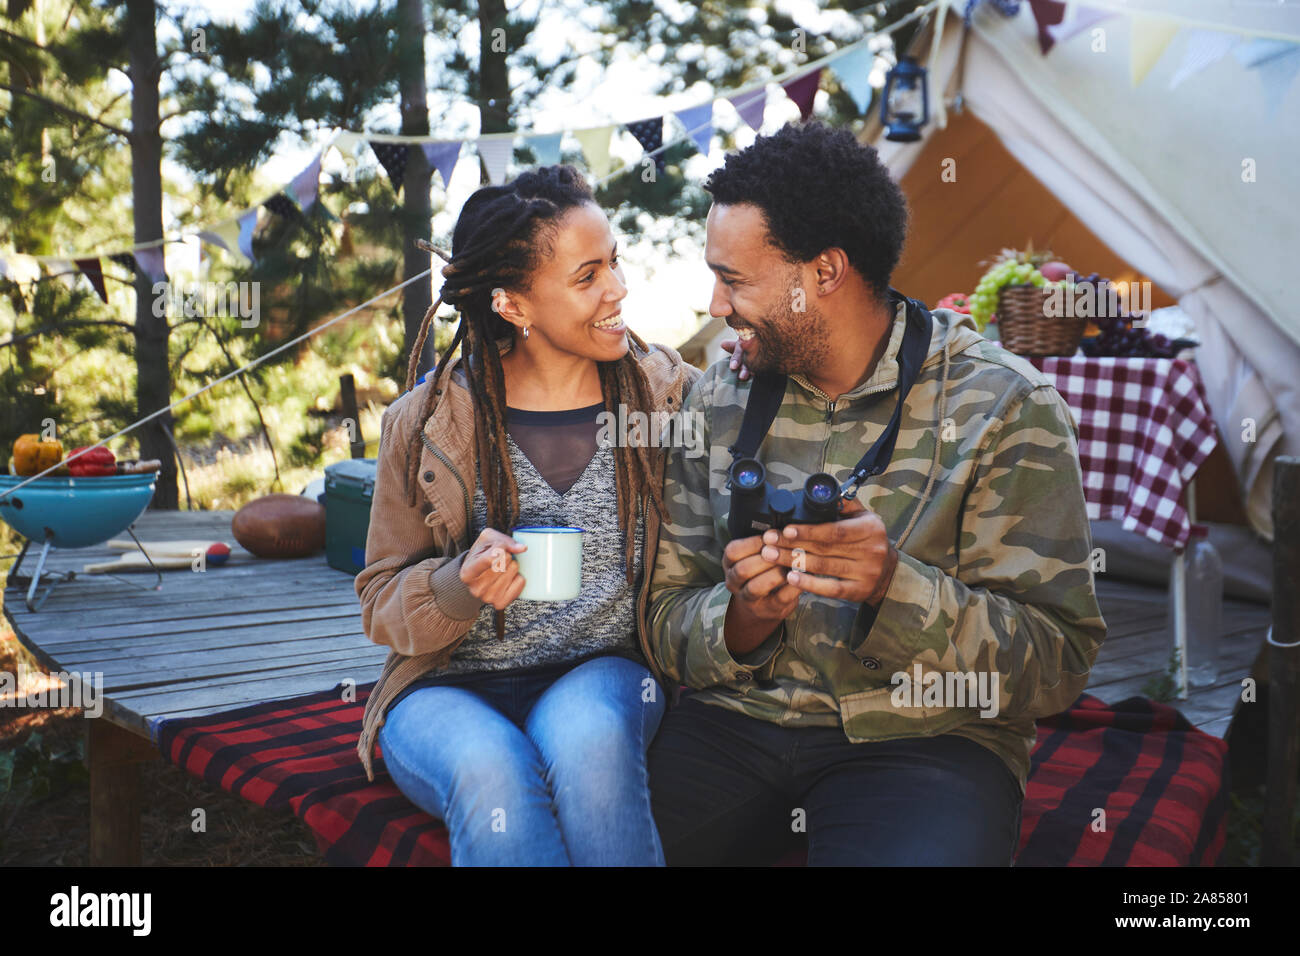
x=1118 y=337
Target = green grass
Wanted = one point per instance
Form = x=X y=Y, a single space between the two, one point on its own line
x=227 y=459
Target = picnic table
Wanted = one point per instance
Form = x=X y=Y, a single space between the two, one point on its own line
x=252 y=631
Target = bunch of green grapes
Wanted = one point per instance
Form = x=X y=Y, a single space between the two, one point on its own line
x=1007 y=272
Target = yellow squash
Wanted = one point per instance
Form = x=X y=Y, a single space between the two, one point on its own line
x=32 y=455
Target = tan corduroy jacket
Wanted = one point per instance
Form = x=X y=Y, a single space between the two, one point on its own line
x=412 y=597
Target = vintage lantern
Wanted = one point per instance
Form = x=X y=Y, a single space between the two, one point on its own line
x=904 y=106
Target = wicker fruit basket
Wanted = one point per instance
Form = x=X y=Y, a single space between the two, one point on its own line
x=1026 y=329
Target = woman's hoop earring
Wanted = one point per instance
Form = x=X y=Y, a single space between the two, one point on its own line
x=525 y=331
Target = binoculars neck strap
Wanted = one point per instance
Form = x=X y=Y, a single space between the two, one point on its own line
x=768 y=389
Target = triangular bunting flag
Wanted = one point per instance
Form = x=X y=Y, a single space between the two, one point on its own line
x=1277 y=62
x=1047 y=13
x=546 y=148
x=150 y=261
x=1148 y=37
x=125 y=260
x=247 y=223
x=803 y=90
x=306 y=185
x=1277 y=75
x=1258 y=50
x=497 y=153
x=393 y=158
x=698 y=121
x=650 y=134
x=853 y=70
x=281 y=206
x=63 y=270
x=751 y=105
x=225 y=235
x=22 y=269
x=90 y=268
x=443 y=157
x=1204 y=48
x=595 y=147
x=346 y=143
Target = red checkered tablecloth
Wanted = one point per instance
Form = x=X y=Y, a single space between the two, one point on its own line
x=1144 y=428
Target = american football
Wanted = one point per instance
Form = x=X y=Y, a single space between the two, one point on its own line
x=280 y=526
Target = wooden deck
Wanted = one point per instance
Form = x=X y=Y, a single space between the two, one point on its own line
x=250 y=631
x=258 y=630
x=1139 y=643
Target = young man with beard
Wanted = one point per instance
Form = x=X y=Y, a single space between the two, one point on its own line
x=873 y=680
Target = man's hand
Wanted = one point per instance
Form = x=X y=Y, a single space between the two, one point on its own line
x=490 y=571
x=851 y=559
x=761 y=597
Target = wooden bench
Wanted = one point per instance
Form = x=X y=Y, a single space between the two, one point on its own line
x=208 y=641
x=259 y=630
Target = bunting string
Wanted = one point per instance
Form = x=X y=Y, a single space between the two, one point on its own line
x=234 y=234
x=1277 y=61
x=1277 y=57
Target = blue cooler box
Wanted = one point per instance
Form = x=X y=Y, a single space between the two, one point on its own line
x=349 y=489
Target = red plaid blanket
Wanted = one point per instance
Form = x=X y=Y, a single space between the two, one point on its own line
x=1161 y=783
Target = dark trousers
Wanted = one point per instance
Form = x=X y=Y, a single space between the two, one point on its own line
x=731 y=790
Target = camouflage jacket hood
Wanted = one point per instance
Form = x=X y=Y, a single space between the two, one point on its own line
x=991 y=618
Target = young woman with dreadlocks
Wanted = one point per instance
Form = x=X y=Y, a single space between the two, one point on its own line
x=523 y=725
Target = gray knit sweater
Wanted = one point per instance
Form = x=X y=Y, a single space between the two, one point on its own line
x=601 y=620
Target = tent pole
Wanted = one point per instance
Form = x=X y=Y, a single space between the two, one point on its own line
x=1283 y=668
x=1179 y=584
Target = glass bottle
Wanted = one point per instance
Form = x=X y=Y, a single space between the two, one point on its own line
x=1204 y=591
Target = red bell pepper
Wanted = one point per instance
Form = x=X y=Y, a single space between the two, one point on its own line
x=958 y=302
x=97 y=461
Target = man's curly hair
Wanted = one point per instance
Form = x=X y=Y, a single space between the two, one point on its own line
x=819 y=188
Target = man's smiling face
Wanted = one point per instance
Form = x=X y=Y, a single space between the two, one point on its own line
x=760 y=294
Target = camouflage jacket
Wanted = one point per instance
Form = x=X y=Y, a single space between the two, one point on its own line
x=992 y=604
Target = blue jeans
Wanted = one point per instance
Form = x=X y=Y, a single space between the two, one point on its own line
x=733 y=790
x=544 y=767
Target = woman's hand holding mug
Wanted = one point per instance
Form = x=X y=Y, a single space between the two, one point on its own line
x=489 y=571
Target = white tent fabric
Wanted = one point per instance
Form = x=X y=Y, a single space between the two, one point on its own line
x=1157 y=175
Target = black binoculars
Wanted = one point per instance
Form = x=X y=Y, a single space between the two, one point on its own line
x=757 y=506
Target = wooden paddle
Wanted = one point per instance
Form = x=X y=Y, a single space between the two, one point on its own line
x=166 y=549
x=165 y=554
x=135 y=561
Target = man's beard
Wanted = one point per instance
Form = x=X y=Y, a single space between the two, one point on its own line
x=791 y=343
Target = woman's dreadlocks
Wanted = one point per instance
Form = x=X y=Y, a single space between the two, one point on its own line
x=498 y=242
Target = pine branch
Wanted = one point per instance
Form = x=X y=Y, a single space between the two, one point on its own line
x=22 y=39
x=174 y=113
x=59 y=326
x=67 y=110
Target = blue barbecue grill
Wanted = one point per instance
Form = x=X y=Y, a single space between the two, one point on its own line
x=72 y=513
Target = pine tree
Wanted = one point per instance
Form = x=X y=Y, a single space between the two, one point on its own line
x=70 y=187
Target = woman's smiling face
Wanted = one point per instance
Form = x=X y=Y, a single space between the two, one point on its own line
x=573 y=305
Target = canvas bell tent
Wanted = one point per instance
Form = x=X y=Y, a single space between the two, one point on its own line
x=1153 y=140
